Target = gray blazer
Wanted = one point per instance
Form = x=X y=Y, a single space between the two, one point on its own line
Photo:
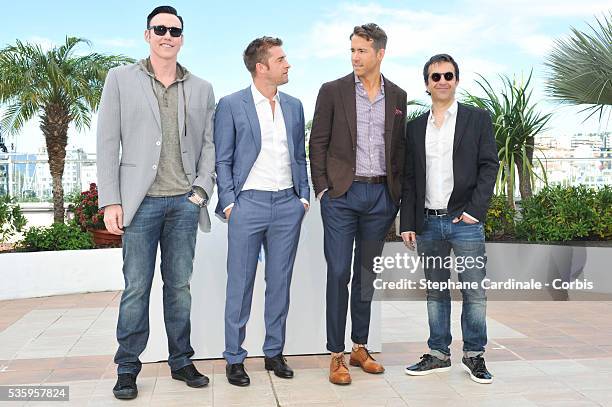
x=129 y=129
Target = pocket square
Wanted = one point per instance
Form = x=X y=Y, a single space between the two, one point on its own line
x=398 y=112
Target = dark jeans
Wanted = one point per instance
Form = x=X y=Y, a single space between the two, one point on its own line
x=172 y=223
x=360 y=218
x=439 y=236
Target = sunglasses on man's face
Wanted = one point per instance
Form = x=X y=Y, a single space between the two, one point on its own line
x=161 y=30
x=448 y=76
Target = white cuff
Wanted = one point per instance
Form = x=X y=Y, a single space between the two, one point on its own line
x=470 y=216
x=228 y=206
x=321 y=194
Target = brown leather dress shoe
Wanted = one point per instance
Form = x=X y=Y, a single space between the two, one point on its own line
x=362 y=358
x=338 y=370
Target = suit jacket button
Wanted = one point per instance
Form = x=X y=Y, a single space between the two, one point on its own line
x=158 y=143
x=154 y=167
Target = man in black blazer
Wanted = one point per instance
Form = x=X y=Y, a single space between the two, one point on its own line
x=450 y=170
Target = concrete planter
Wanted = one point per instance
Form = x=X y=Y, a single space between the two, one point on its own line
x=531 y=271
x=39 y=274
x=579 y=262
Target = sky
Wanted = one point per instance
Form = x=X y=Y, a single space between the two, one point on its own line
x=487 y=37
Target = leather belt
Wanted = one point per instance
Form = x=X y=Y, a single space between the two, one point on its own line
x=436 y=212
x=382 y=179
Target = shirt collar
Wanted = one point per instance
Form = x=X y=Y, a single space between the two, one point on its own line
x=451 y=111
x=382 y=83
x=181 y=72
x=259 y=98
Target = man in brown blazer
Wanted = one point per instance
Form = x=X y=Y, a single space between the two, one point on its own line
x=356 y=160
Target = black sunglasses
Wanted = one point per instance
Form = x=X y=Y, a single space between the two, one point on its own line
x=162 y=29
x=436 y=76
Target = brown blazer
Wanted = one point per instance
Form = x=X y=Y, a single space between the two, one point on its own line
x=333 y=138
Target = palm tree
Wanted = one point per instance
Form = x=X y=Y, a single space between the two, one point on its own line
x=580 y=68
x=58 y=86
x=516 y=123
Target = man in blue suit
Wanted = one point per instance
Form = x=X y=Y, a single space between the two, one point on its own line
x=264 y=194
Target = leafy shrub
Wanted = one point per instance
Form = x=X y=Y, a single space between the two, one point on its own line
x=500 y=219
x=11 y=219
x=603 y=213
x=59 y=236
x=567 y=213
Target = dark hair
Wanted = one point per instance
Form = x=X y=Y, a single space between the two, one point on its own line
x=257 y=52
x=163 y=10
x=437 y=59
x=371 y=32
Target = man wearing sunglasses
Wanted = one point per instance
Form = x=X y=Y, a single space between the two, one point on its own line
x=356 y=161
x=156 y=164
x=451 y=167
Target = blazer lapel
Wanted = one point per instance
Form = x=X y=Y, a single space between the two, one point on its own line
x=184 y=91
x=421 y=131
x=288 y=119
x=463 y=115
x=249 y=107
x=145 y=81
x=350 y=109
x=389 y=116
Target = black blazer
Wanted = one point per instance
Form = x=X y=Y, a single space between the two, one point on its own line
x=333 y=139
x=475 y=166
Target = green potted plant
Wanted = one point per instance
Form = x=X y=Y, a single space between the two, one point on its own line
x=91 y=218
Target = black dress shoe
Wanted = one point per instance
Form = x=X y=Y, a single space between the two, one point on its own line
x=278 y=363
x=125 y=388
x=236 y=374
x=190 y=375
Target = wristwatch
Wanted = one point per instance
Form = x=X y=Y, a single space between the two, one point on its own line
x=197 y=199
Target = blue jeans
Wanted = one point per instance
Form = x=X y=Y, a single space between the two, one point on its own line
x=439 y=236
x=172 y=223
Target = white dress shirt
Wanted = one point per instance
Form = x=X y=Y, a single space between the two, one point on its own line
x=439 y=157
x=272 y=168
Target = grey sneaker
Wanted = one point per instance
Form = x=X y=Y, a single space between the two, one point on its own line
x=428 y=364
x=477 y=369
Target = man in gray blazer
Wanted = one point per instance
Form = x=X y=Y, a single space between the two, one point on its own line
x=156 y=163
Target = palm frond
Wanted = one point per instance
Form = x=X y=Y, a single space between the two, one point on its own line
x=33 y=79
x=580 y=68
x=415 y=108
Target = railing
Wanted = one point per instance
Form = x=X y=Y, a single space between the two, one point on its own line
x=30 y=180
x=594 y=172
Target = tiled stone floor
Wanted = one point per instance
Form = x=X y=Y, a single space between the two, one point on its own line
x=542 y=354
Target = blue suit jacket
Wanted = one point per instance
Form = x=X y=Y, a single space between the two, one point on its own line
x=237 y=138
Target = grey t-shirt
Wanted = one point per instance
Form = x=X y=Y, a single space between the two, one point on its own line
x=170 y=179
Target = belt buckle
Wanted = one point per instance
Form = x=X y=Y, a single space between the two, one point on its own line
x=435 y=212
